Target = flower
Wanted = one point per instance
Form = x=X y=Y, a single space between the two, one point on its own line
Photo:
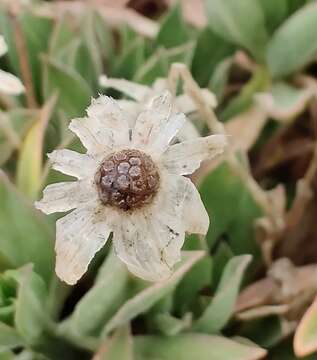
x=9 y=84
x=130 y=183
x=142 y=94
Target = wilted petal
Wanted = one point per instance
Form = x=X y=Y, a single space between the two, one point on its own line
x=109 y=115
x=10 y=84
x=156 y=126
x=185 y=158
x=65 y=196
x=196 y=219
x=72 y=163
x=96 y=138
x=134 y=90
x=3 y=46
x=79 y=235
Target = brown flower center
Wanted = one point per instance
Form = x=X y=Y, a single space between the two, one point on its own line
x=127 y=180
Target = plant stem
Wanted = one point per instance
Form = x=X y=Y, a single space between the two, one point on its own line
x=215 y=126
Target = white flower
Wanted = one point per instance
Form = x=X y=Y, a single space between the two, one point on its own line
x=9 y=84
x=142 y=94
x=130 y=182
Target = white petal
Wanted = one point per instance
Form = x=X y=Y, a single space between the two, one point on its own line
x=150 y=241
x=94 y=136
x=3 y=46
x=185 y=103
x=132 y=89
x=156 y=126
x=132 y=109
x=109 y=115
x=185 y=158
x=79 y=235
x=196 y=218
x=10 y=84
x=65 y=196
x=146 y=245
x=72 y=163
x=178 y=198
x=187 y=132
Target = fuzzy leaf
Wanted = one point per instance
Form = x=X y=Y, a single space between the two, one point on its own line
x=119 y=346
x=173 y=31
x=219 y=190
x=221 y=306
x=152 y=294
x=30 y=312
x=9 y=338
x=294 y=45
x=130 y=60
x=25 y=236
x=170 y=325
x=240 y=22
x=197 y=278
x=275 y=13
x=194 y=346
x=99 y=304
x=72 y=90
x=210 y=50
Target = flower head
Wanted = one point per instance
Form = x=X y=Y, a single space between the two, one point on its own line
x=130 y=183
x=9 y=84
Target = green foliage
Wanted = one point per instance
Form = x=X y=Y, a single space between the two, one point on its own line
x=100 y=304
x=189 y=346
x=110 y=314
x=28 y=232
x=218 y=312
x=218 y=190
x=144 y=300
x=240 y=22
x=210 y=50
x=173 y=31
x=294 y=41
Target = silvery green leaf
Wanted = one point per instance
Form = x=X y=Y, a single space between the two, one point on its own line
x=275 y=13
x=30 y=312
x=294 y=45
x=119 y=346
x=240 y=22
x=173 y=31
x=72 y=90
x=209 y=52
x=145 y=299
x=9 y=338
x=169 y=325
x=194 y=346
x=102 y=301
x=23 y=231
x=220 y=309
